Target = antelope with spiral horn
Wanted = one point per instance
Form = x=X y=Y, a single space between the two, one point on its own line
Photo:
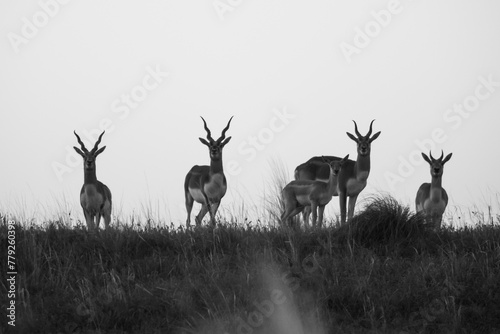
x=431 y=198
x=207 y=184
x=95 y=196
x=353 y=176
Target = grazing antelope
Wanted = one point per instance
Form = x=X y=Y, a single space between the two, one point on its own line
x=207 y=184
x=300 y=194
x=431 y=197
x=95 y=196
x=353 y=176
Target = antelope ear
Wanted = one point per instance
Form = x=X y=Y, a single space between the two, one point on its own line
x=426 y=158
x=99 y=151
x=226 y=141
x=353 y=137
x=375 y=136
x=203 y=141
x=448 y=157
x=79 y=151
x=345 y=158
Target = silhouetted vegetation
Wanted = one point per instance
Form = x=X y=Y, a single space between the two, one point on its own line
x=386 y=271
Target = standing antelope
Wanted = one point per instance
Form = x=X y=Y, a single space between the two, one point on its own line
x=95 y=196
x=431 y=197
x=207 y=184
x=300 y=194
x=352 y=177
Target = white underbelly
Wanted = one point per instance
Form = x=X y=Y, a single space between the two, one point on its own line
x=90 y=199
x=215 y=188
x=197 y=195
x=303 y=200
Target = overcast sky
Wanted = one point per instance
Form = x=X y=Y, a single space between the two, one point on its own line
x=294 y=74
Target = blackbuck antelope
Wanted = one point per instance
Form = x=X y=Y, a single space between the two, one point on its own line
x=300 y=194
x=207 y=184
x=431 y=198
x=353 y=176
x=95 y=196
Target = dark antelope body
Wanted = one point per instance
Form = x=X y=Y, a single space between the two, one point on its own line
x=95 y=196
x=353 y=176
x=207 y=184
x=431 y=198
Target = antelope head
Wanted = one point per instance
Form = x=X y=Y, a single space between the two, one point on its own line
x=436 y=164
x=364 y=142
x=89 y=157
x=336 y=165
x=215 y=146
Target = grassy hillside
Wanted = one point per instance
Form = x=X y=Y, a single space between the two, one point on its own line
x=386 y=272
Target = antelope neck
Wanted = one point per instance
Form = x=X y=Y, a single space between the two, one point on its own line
x=436 y=188
x=89 y=176
x=216 y=166
x=362 y=164
x=332 y=183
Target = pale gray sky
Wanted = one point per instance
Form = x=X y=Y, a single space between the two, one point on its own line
x=294 y=74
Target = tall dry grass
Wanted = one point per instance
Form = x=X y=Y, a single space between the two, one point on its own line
x=384 y=272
